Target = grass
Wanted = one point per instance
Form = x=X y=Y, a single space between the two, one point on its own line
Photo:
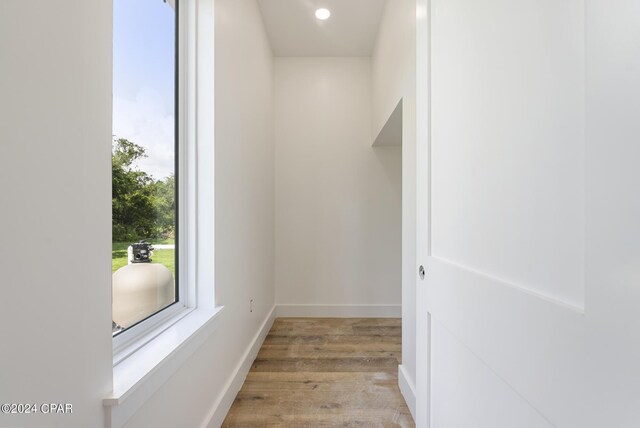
x=164 y=257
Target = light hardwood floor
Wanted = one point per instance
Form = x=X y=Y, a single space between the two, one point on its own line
x=324 y=372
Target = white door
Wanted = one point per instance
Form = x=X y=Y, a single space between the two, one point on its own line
x=529 y=214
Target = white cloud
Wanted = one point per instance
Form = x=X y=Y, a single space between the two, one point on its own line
x=148 y=122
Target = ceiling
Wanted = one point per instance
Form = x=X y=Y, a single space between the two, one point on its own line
x=294 y=30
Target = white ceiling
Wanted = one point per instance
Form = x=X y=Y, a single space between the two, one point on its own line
x=294 y=30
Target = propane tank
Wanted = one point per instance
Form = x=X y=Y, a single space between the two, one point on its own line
x=141 y=288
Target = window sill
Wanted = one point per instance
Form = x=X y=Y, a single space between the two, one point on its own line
x=140 y=374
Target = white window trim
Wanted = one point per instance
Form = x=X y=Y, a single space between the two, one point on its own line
x=136 y=336
x=145 y=359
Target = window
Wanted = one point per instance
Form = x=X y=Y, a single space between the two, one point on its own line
x=149 y=351
x=146 y=156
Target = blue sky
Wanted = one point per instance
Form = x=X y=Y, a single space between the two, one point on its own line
x=143 y=80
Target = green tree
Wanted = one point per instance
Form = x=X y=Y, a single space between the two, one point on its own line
x=165 y=206
x=143 y=208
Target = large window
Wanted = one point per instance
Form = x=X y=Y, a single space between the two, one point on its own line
x=145 y=159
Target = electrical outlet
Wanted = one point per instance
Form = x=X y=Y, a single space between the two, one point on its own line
x=251 y=305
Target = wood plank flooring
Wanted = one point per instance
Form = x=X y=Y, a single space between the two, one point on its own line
x=324 y=372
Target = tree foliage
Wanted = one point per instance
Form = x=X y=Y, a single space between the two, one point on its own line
x=143 y=208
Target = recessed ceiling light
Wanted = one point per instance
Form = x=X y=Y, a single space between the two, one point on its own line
x=323 y=14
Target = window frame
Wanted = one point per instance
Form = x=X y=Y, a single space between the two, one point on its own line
x=128 y=341
x=142 y=366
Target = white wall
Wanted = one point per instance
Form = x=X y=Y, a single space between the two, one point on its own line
x=55 y=208
x=393 y=75
x=244 y=161
x=244 y=198
x=337 y=198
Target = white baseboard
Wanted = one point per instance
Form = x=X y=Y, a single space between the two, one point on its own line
x=221 y=407
x=408 y=389
x=338 y=311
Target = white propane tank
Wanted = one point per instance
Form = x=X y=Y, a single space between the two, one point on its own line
x=141 y=288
